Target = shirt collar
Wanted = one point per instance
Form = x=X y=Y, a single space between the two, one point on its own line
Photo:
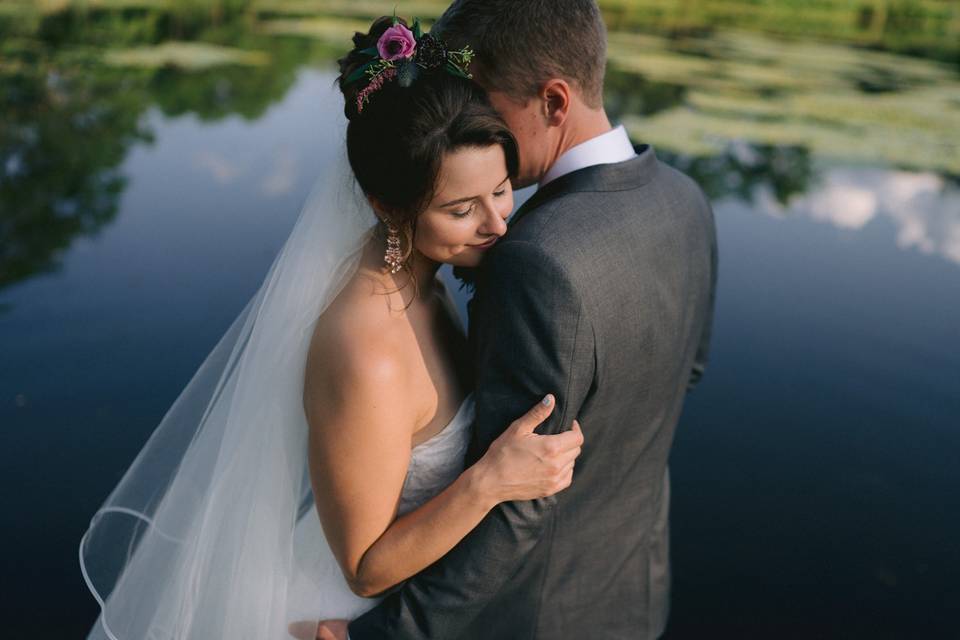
x=607 y=148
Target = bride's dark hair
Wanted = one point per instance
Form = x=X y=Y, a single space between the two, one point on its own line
x=396 y=144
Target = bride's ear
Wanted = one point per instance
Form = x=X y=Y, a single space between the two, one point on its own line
x=387 y=215
x=378 y=208
x=556 y=97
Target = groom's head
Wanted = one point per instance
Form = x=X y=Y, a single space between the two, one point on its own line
x=542 y=62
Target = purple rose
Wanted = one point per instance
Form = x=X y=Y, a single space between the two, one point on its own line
x=396 y=43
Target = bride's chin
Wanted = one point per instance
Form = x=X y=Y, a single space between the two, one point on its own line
x=464 y=261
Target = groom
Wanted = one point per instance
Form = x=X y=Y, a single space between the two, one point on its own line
x=601 y=293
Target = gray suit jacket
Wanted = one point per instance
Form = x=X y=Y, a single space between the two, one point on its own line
x=601 y=293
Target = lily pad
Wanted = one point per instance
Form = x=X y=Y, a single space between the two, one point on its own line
x=185 y=55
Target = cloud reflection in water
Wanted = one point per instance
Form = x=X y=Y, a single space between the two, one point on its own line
x=924 y=207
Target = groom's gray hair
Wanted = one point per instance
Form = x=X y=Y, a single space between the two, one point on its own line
x=520 y=44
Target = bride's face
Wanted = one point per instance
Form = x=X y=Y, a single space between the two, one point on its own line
x=469 y=210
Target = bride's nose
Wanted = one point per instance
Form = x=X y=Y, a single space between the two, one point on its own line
x=494 y=222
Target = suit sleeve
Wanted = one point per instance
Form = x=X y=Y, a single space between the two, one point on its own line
x=533 y=338
x=703 y=346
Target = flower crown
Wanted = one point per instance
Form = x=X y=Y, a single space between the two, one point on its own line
x=402 y=54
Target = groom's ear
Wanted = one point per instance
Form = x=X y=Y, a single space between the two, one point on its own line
x=556 y=97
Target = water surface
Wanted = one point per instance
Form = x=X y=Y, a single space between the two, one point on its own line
x=816 y=467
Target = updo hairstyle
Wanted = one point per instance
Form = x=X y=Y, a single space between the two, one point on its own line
x=397 y=143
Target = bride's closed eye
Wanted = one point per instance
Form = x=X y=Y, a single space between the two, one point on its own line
x=464 y=214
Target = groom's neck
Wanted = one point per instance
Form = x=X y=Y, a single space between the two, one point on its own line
x=580 y=126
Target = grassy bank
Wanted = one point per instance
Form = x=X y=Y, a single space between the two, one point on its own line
x=929 y=28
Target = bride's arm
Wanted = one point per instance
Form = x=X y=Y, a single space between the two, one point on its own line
x=361 y=426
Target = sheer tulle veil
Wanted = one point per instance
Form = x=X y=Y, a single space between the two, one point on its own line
x=196 y=541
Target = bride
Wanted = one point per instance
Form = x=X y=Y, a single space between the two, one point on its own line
x=316 y=459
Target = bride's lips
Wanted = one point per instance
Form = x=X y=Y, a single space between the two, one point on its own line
x=486 y=245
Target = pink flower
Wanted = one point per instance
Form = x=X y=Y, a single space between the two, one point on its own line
x=397 y=42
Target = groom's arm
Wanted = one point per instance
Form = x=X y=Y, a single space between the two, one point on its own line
x=703 y=346
x=534 y=339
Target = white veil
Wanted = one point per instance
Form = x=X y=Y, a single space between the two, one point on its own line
x=196 y=541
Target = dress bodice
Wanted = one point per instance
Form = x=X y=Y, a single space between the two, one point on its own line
x=436 y=463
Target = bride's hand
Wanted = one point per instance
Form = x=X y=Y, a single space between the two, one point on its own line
x=523 y=465
x=332 y=630
x=325 y=630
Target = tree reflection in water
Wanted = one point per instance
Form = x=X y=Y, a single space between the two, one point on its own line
x=70 y=119
x=741 y=168
x=64 y=135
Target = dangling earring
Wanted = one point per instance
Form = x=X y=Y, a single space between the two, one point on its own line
x=393 y=256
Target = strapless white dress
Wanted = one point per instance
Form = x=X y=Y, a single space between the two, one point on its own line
x=318 y=590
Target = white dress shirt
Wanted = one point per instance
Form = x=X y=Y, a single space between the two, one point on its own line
x=607 y=148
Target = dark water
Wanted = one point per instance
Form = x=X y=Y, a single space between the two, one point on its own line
x=816 y=472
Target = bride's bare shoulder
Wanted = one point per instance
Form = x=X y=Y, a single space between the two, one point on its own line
x=359 y=342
